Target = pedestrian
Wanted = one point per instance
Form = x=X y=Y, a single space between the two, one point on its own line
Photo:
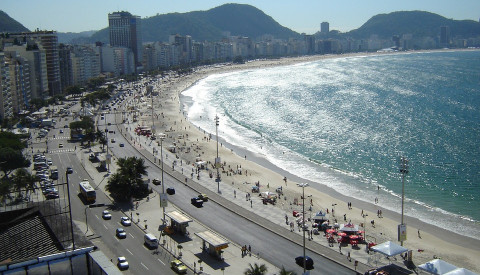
x=345 y=217
x=234 y=193
x=419 y=234
x=340 y=247
x=250 y=250
x=246 y=197
x=251 y=204
x=348 y=256
x=362 y=213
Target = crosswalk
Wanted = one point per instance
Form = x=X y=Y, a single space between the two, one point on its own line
x=60 y=137
x=61 y=151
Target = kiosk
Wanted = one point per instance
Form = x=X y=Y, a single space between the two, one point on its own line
x=178 y=222
x=215 y=243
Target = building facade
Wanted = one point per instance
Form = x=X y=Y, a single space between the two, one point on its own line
x=125 y=31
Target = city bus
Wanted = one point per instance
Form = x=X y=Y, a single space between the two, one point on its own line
x=87 y=191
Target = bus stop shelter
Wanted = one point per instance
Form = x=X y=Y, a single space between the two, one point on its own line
x=215 y=243
x=178 y=222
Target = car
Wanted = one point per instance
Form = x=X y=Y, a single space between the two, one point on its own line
x=61 y=131
x=60 y=145
x=66 y=126
x=69 y=170
x=92 y=157
x=122 y=263
x=121 y=233
x=112 y=140
x=49 y=162
x=156 y=181
x=125 y=221
x=197 y=202
x=122 y=145
x=52 y=195
x=178 y=266
x=109 y=124
x=106 y=215
x=308 y=262
x=171 y=191
x=203 y=197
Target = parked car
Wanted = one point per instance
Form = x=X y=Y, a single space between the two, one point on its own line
x=121 y=233
x=52 y=195
x=122 y=145
x=178 y=266
x=125 y=221
x=156 y=182
x=69 y=170
x=122 y=263
x=106 y=215
x=60 y=145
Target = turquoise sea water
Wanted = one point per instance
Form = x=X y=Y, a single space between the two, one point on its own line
x=345 y=122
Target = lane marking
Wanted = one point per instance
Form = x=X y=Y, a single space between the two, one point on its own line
x=97 y=216
x=129 y=251
x=131 y=235
x=144 y=266
x=161 y=261
x=105 y=227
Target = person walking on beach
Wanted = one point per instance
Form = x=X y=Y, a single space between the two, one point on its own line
x=419 y=234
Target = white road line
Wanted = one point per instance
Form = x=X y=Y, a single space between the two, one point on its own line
x=144 y=266
x=129 y=251
x=105 y=227
x=97 y=217
x=161 y=261
x=131 y=235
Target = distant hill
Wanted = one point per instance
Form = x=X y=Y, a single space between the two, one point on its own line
x=8 y=24
x=417 y=23
x=71 y=37
x=238 y=19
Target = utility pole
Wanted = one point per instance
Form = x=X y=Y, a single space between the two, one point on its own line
x=70 y=212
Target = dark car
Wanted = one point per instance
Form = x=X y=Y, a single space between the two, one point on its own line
x=308 y=262
x=69 y=170
x=122 y=145
x=171 y=191
x=156 y=182
x=197 y=202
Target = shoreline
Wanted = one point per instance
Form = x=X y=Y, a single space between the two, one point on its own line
x=459 y=249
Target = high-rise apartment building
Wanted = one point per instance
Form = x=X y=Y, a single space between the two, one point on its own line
x=444 y=36
x=325 y=27
x=125 y=31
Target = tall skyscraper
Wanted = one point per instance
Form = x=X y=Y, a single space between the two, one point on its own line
x=325 y=27
x=444 y=36
x=125 y=31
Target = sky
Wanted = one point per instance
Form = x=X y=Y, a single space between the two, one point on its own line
x=303 y=16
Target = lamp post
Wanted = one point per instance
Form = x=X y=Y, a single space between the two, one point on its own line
x=217 y=160
x=404 y=171
x=163 y=182
x=70 y=211
x=303 y=229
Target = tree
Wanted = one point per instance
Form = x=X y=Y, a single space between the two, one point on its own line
x=283 y=271
x=127 y=182
x=256 y=269
x=11 y=159
x=73 y=90
x=23 y=180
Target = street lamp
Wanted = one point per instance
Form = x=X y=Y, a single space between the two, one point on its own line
x=402 y=229
x=217 y=160
x=70 y=211
x=163 y=182
x=365 y=227
x=303 y=229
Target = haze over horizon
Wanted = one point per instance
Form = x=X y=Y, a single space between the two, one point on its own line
x=302 y=16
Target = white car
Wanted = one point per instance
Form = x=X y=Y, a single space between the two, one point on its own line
x=122 y=263
x=125 y=221
x=304 y=184
x=106 y=215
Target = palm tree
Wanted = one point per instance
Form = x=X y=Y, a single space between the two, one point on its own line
x=128 y=182
x=283 y=271
x=256 y=269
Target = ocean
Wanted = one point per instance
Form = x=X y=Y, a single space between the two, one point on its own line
x=346 y=122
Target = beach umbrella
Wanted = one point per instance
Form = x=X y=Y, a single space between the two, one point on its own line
x=437 y=266
x=460 y=271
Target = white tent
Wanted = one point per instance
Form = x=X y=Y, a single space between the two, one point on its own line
x=389 y=248
x=437 y=266
x=460 y=271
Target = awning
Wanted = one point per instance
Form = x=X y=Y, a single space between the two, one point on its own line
x=178 y=217
x=389 y=248
x=437 y=266
x=214 y=240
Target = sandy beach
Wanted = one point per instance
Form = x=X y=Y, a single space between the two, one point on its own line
x=426 y=241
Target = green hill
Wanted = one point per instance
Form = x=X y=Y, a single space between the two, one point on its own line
x=417 y=23
x=8 y=24
x=238 y=19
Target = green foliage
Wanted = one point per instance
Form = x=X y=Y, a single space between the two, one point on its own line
x=127 y=183
x=11 y=140
x=283 y=271
x=94 y=83
x=256 y=269
x=86 y=123
x=11 y=156
x=73 y=90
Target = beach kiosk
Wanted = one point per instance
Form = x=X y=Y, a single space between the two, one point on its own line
x=178 y=223
x=215 y=243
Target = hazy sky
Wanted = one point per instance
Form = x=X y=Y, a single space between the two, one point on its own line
x=299 y=15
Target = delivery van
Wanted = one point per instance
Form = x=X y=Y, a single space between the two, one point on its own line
x=151 y=241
